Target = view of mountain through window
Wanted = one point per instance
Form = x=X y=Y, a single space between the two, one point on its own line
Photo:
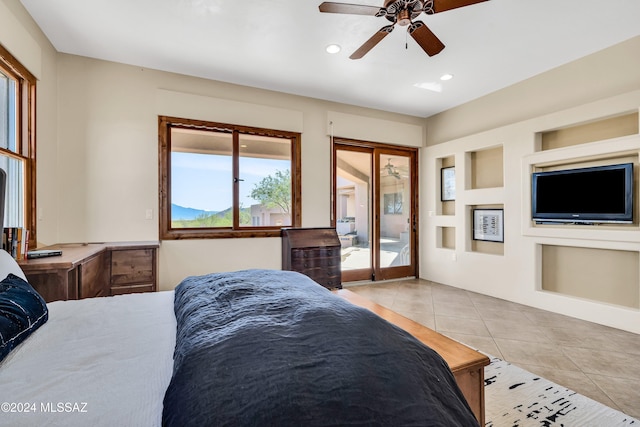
x=203 y=180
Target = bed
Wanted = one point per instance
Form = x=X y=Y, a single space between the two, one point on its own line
x=256 y=347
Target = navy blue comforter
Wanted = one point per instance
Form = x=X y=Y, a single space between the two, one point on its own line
x=274 y=348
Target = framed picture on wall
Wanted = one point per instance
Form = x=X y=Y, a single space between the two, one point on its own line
x=488 y=225
x=448 y=183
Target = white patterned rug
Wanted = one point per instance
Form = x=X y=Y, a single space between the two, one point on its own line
x=531 y=401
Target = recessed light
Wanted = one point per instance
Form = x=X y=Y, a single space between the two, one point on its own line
x=446 y=77
x=333 y=48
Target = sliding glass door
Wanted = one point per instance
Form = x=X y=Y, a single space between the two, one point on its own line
x=375 y=201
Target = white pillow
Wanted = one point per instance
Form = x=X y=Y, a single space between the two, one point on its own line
x=9 y=265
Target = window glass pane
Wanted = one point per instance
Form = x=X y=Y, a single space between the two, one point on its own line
x=201 y=179
x=265 y=181
x=14 y=196
x=7 y=112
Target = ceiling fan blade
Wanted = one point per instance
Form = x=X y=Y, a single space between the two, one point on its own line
x=428 y=41
x=443 y=5
x=354 y=9
x=372 y=42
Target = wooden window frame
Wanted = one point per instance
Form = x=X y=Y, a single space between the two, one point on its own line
x=25 y=134
x=165 y=124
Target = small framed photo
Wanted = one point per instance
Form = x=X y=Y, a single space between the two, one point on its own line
x=448 y=184
x=488 y=225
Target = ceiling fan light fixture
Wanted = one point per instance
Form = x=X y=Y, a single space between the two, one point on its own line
x=333 y=48
x=404 y=18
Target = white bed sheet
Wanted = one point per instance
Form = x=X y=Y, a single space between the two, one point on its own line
x=96 y=362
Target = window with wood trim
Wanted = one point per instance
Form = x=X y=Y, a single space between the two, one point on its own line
x=17 y=143
x=220 y=180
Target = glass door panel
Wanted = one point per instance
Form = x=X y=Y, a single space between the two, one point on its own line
x=353 y=192
x=394 y=195
x=395 y=209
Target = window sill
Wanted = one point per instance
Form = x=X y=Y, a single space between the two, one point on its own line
x=187 y=234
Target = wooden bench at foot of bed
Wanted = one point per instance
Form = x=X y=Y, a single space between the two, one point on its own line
x=466 y=363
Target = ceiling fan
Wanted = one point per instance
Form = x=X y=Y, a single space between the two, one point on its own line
x=403 y=13
x=391 y=170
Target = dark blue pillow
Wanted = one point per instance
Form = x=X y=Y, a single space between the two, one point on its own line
x=22 y=311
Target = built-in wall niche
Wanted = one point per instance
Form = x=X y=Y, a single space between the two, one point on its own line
x=446 y=203
x=600 y=160
x=485 y=168
x=446 y=237
x=606 y=128
x=483 y=246
x=603 y=275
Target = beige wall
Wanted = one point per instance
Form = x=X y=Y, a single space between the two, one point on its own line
x=602 y=86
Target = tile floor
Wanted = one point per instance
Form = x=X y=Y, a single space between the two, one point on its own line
x=597 y=361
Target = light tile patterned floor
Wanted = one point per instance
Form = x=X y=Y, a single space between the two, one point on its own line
x=597 y=361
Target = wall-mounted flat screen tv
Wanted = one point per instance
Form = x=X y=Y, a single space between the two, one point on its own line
x=587 y=195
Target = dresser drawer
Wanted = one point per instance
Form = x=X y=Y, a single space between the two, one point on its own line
x=329 y=252
x=305 y=260
x=132 y=266
x=327 y=277
x=133 y=289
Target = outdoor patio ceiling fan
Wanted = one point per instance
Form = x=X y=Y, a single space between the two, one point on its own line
x=391 y=170
x=403 y=13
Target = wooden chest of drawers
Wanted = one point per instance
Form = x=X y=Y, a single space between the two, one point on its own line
x=93 y=270
x=314 y=252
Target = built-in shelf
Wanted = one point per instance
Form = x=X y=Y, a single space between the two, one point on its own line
x=592 y=131
x=482 y=246
x=446 y=237
x=485 y=168
x=597 y=274
x=446 y=207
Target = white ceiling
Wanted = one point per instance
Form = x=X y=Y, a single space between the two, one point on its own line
x=280 y=44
